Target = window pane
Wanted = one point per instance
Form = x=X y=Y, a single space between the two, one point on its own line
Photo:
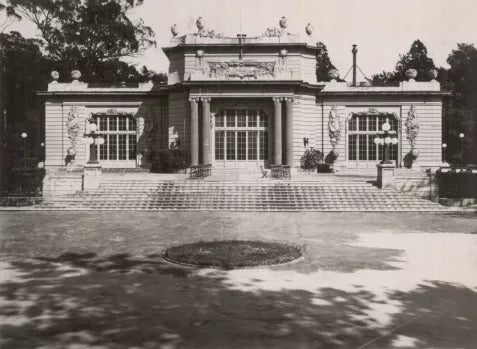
x=362 y=123
x=113 y=147
x=230 y=117
x=113 y=123
x=219 y=145
x=241 y=145
x=132 y=123
x=241 y=118
x=231 y=145
x=263 y=145
x=352 y=123
x=102 y=124
x=372 y=123
x=362 y=147
x=372 y=147
x=219 y=120
x=103 y=149
x=252 y=118
x=352 y=147
x=122 y=123
x=252 y=145
x=132 y=147
x=122 y=147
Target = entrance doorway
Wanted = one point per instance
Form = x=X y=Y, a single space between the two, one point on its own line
x=362 y=129
x=241 y=138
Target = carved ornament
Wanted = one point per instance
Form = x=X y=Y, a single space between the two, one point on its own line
x=241 y=70
x=73 y=126
x=334 y=127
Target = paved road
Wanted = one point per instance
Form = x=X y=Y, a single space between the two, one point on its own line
x=97 y=280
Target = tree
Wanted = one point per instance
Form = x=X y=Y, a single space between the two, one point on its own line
x=416 y=58
x=92 y=37
x=461 y=109
x=323 y=63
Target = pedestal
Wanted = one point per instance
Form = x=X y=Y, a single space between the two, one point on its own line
x=92 y=176
x=385 y=175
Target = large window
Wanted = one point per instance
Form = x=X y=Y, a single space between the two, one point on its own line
x=362 y=129
x=241 y=134
x=119 y=133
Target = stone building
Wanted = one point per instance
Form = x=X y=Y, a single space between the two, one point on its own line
x=243 y=102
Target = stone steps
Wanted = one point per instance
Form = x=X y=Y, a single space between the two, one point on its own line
x=329 y=194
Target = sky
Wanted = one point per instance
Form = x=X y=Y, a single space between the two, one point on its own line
x=382 y=29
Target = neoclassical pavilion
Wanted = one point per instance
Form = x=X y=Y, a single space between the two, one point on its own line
x=244 y=102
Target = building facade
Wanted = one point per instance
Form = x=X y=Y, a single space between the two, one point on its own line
x=243 y=102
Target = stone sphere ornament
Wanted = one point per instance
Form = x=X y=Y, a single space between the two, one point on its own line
x=55 y=75
x=283 y=52
x=75 y=75
x=333 y=74
x=174 y=30
x=433 y=73
x=309 y=29
x=411 y=74
x=283 y=22
x=199 y=53
x=200 y=23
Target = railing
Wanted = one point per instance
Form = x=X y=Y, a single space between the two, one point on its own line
x=200 y=171
x=280 y=171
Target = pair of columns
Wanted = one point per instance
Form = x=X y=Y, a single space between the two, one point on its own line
x=194 y=131
x=277 y=134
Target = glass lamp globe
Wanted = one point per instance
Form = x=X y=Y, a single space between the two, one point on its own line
x=100 y=141
x=92 y=127
x=386 y=126
x=41 y=164
x=461 y=135
x=388 y=140
x=89 y=140
x=444 y=145
x=376 y=140
x=24 y=135
x=395 y=140
x=381 y=141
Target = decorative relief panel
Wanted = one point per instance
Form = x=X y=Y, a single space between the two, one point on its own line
x=240 y=70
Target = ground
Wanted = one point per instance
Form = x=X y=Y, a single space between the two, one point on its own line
x=367 y=280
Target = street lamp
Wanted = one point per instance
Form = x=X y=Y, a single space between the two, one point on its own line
x=461 y=136
x=444 y=147
x=385 y=140
x=94 y=140
x=24 y=136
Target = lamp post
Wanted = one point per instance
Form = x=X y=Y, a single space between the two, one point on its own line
x=94 y=140
x=24 y=136
x=461 y=136
x=444 y=147
x=385 y=140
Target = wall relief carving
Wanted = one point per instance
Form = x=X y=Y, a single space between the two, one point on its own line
x=334 y=128
x=240 y=70
x=73 y=127
x=412 y=129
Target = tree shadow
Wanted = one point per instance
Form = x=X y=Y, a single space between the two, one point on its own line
x=120 y=301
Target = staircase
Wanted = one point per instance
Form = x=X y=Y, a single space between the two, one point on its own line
x=328 y=194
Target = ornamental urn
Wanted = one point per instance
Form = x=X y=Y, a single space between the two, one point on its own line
x=283 y=52
x=411 y=74
x=433 y=74
x=75 y=75
x=55 y=75
x=309 y=29
x=174 y=30
x=199 y=23
x=333 y=74
x=199 y=53
x=414 y=152
x=283 y=22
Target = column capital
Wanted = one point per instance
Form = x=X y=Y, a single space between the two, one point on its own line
x=277 y=99
x=194 y=99
x=205 y=99
x=289 y=99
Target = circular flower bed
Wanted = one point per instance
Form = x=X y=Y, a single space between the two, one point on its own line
x=230 y=254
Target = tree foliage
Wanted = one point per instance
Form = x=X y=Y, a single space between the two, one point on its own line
x=415 y=58
x=90 y=36
x=323 y=63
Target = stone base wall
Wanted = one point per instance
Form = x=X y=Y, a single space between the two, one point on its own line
x=61 y=184
x=424 y=187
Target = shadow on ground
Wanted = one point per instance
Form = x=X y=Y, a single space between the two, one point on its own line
x=120 y=301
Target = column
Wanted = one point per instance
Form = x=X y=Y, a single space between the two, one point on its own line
x=289 y=131
x=277 y=131
x=206 y=155
x=194 y=132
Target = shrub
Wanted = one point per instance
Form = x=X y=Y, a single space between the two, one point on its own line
x=169 y=160
x=311 y=158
